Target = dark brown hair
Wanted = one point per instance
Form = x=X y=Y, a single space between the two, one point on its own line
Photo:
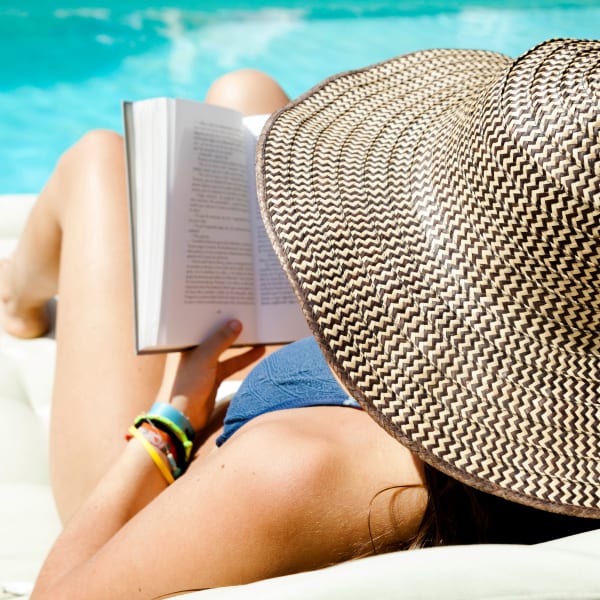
x=459 y=514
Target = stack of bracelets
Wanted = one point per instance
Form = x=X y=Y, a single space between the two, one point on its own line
x=168 y=437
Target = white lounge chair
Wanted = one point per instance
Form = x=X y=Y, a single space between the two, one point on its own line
x=567 y=569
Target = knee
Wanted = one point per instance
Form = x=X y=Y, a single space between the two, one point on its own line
x=250 y=91
x=101 y=139
x=98 y=148
x=92 y=169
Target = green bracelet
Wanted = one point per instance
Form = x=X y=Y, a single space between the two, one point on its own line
x=174 y=422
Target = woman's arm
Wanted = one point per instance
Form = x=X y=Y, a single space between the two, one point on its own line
x=291 y=491
x=134 y=481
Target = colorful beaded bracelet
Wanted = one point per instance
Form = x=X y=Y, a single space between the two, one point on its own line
x=153 y=453
x=174 y=422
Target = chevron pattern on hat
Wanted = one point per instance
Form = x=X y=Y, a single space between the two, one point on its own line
x=439 y=217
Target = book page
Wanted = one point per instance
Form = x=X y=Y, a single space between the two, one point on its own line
x=278 y=314
x=146 y=139
x=209 y=270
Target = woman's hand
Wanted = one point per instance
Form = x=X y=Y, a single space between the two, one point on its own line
x=199 y=373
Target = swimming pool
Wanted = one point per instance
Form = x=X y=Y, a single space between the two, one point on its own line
x=66 y=69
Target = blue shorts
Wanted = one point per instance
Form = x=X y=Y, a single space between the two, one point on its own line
x=295 y=376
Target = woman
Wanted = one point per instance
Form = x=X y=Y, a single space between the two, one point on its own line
x=231 y=516
x=286 y=490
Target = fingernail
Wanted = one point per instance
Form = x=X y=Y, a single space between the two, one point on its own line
x=235 y=326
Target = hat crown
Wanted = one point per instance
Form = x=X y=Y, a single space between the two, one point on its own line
x=528 y=154
x=439 y=217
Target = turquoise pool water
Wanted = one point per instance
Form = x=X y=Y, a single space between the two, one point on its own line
x=66 y=69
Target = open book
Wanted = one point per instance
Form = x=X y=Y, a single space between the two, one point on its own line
x=201 y=254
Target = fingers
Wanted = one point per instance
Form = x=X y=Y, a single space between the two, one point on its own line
x=216 y=343
x=207 y=355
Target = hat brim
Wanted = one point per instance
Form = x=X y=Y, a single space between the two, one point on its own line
x=376 y=227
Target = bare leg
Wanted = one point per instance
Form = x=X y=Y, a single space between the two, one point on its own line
x=76 y=243
x=30 y=278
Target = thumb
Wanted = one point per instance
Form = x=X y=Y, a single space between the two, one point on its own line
x=218 y=341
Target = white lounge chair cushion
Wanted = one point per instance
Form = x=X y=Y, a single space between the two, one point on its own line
x=566 y=569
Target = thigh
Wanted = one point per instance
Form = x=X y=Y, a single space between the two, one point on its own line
x=100 y=384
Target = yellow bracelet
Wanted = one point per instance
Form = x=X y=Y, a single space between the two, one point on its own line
x=151 y=450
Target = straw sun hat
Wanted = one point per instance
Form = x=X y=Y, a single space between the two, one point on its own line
x=439 y=217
